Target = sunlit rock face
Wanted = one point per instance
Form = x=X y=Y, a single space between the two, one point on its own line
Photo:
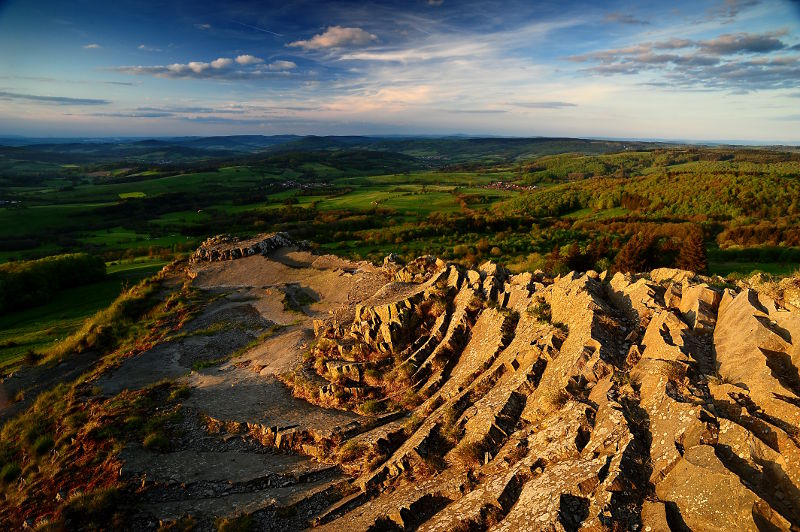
x=431 y=396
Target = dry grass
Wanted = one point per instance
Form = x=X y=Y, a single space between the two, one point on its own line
x=352 y=450
x=184 y=524
x=67 y=443
x=555 y=398
x=471 y=454
x=242 y=523
x=674 y=370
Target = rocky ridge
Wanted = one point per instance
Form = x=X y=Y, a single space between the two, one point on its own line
x=226 y=247
x=474 y=399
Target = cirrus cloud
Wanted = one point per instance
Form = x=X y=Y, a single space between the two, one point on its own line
x=55 y=100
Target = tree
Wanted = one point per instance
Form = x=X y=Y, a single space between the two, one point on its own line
x=693 y=254
x=638 y=254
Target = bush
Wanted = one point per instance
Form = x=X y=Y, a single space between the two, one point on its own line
x=10 y=472
x=372 y=407
x=42 y=445
x=181 y=392
x=31 y=357
x=102 y=509
x=556 y=398
x=469 y=453
x=155 y=441
x=184 y=524
x=352 y=450
x=541 y=311
x=108 y=327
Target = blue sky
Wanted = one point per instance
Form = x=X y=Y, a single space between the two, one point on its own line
x=716 y=70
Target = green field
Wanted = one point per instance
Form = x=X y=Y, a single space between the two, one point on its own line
x=40 y=327
x=747 y=268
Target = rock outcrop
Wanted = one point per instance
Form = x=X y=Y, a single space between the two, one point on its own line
x=487 y=400
x=224 y=247
x=647 y=402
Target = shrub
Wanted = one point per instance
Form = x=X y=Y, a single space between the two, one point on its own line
x=10 y=472
x=541 y=311
x=372 y=407
x=352 y=450
x=42 y=445
x=469 y=453
x=102 y=509
x=603 y=264
x=373 y=376
x=556 y=398
x=242 y=523
x=674 y=370
x=31 y=357
x=107 y=328
x=410 y=399
x=155 y=441
x=184 y=524
x=181 y=392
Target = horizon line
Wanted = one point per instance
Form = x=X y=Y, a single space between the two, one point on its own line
x=653 y=140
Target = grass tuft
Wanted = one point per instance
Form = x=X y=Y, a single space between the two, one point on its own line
x=10 y=472
x=155 y=441
x=42 y=445
x=242 y=523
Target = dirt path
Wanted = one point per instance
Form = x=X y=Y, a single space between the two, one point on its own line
x=256 y=327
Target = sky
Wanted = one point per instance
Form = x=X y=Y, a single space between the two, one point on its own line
x=717 y=70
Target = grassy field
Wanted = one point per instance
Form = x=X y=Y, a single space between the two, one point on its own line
x=86 y=215
x=747 y=268
x=40 y=327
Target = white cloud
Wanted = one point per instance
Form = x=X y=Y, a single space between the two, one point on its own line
x=336 y=37
x=92 y=46
x=203 y=26
x=146 y=48
x=282 y=65
x=222 y=62
x=243 y=67
x=247 y=59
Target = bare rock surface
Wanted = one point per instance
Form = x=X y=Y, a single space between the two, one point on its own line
x=428 y=396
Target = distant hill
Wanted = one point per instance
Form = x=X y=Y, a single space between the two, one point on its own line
x=438 y=151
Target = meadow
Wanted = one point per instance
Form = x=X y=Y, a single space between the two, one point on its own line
x=35 y=330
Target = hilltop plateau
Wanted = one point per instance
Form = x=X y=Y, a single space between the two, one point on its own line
x=280 y=389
